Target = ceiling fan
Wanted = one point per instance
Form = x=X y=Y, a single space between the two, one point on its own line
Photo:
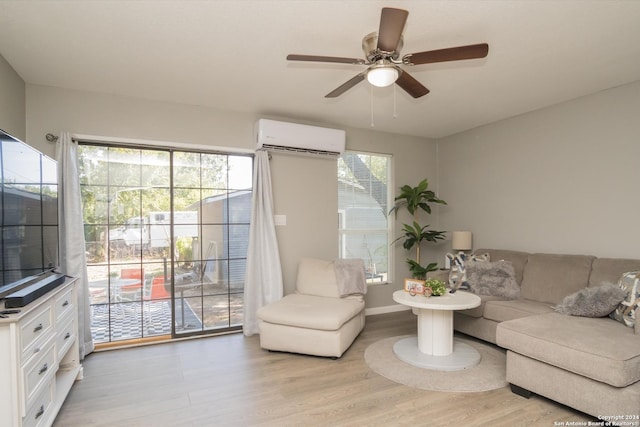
x=382 y=50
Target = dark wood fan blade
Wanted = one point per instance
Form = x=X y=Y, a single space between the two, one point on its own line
x=314 y=58
x=391 y=25
x=411 y=85
x=451 y=54
x=345 y=86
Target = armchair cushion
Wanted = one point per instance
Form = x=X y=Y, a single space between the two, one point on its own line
x=317 y=277
x=313 y=312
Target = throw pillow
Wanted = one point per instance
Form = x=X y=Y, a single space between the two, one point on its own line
x=497 y=279
x=597 y=301
x=457 y=272
x=628 y=308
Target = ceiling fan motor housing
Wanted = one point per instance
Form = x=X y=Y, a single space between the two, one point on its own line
x=373 y=54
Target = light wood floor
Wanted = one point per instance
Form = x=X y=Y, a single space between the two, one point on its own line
x=229 y=381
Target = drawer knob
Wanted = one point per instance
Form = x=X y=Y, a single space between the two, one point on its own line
x=65 y=303
x=40 y=412
x=38 y=328
x=43 y=369
x=36 y=350
x=67 y=336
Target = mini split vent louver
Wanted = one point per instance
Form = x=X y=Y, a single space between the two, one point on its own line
x=295 y=138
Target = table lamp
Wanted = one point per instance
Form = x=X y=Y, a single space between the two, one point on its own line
x=461 y=241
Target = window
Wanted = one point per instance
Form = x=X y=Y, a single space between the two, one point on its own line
x=363 y=208
x=167 y=234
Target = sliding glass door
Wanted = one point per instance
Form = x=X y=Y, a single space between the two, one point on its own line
x=167 y=234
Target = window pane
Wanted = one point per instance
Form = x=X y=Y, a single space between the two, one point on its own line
x=186 y=170
x=240 y=172
x=125 y=167
x=363 y=204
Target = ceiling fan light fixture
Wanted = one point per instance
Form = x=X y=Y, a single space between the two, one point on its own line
x=382 y=76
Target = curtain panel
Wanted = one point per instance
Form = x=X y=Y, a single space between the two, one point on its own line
x=263 y=278
x=72 y=244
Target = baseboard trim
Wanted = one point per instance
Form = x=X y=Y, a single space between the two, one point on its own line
x=386 y=309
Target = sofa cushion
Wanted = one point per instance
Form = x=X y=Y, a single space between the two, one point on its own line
x=501 y=311
x=493 y=278
x=317 y=277
x=313 y=312
x=517 y=258
x=550 y=277
x=597 y=348
x=596 y=301
x=479 y=310
x=610 y=269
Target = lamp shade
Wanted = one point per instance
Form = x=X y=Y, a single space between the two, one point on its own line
x=461 y=240
x=382 y=76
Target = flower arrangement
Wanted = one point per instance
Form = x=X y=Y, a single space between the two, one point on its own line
x=435 y=287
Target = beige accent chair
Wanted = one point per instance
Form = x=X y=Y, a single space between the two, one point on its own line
x=316 y=319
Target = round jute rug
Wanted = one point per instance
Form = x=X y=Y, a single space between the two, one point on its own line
x=489 y=374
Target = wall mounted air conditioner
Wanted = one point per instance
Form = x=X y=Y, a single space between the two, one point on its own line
x=295 y=138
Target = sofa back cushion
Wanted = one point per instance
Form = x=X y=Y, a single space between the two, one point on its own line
x=611 y=269
x=550 y=277
x=518 y=259
x=317 y=277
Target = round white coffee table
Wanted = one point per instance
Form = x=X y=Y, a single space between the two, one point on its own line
x=435 y=347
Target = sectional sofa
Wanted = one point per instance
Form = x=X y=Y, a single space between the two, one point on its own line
x=590 y=364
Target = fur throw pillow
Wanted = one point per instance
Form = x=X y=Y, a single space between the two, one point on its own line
x=458 y=272
x=598 y=301
x=493 y=278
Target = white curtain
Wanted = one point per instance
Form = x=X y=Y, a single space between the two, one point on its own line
x=72 y=246
x=263 y=279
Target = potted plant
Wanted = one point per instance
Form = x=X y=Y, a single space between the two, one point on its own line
x=417 y=199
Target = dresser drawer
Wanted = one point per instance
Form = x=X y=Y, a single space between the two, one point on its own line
x=64 y=303
x=35 y=329
x=64 y=338
x=37 y=413
x=37 y=372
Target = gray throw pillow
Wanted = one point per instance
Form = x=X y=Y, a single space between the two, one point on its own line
x=598 y=301
x=496 y=279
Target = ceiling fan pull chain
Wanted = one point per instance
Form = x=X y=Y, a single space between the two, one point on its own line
x=371 y=96
x=395 y=108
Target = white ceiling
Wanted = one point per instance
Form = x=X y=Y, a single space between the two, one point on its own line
x=231 y=55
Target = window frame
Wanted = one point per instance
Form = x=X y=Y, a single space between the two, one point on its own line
x=206 y=328
x=388 y=230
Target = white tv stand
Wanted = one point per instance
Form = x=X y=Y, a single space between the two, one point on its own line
x=39 y=357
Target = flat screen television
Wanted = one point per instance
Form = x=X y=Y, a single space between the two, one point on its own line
x=29 y=207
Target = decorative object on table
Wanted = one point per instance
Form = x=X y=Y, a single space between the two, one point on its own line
x=597 y=301
x=436 y=287
x=458 y=271
x=417 y=199
x=496 y=279
x=627 y=310
x=414 y=286
x=461 y=241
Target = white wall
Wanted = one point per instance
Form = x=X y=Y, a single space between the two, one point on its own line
x=564 y=179
x=305 y=189
x=12 y=101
